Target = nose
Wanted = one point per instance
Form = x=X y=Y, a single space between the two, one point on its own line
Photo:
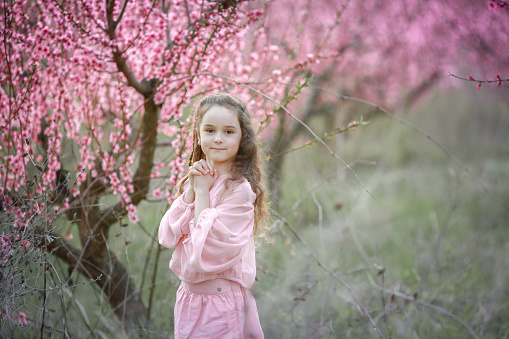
x=218 y=139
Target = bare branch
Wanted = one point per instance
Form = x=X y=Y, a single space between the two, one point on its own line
x=498 y=80
x=305 y=126
x=434 y=307
x=417 y=129
x=331 y=272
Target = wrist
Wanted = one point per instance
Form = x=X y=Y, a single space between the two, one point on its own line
x=201 y=190
x=188 y=196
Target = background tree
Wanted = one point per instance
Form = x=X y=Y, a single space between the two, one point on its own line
x=391 y=54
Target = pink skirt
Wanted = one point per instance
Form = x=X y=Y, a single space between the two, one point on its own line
x=216 y=308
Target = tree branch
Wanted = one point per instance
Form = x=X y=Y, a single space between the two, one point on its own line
x=112 y=282
x=331 y=272
x=141 y=179
x=144 y=87
x=121 y=13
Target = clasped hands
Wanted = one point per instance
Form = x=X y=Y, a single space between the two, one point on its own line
x=202 y=176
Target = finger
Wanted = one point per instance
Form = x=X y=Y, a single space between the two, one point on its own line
x=199 y=167
x=209 y=166
x=194 y=172
x=206 y=166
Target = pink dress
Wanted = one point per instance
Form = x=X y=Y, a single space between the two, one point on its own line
x=215 y=259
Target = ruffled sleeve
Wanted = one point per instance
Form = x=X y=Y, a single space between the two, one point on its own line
x=221 y=236
x=175 y=223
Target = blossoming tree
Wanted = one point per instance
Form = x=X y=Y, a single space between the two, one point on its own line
x=389 y=53
x=87 y=90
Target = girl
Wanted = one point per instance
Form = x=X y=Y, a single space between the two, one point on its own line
x=212 y=223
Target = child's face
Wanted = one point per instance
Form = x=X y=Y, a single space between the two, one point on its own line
x=220 y=136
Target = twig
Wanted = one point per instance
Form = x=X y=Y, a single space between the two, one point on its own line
x=62 y=305
x=300 y=122
x=331 y=272
x=420 y=131
x=434 y=307
x=320 y=221
x=326 y=136
x=45 y=251
x=499 y=80
x=287 y=112
x=54 y=288
x=153 y=282
x=499 y=3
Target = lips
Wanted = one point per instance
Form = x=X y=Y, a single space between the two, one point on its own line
x=217 y=149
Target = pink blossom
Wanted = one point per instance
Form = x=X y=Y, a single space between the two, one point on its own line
x=176 y=143
x=180 y=161
x=131 y=209
x=171 y=130
x=133 y=218
x=157 y=193
x=20 y=318
x=172 y=181
x=114 y=181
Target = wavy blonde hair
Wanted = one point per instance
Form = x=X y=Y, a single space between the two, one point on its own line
x=248 y=162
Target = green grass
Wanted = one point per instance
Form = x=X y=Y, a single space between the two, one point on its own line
x=436 y=231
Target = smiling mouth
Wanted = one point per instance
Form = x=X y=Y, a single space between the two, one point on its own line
x=218 y=149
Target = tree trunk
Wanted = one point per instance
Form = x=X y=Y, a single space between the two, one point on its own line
x=95 y=261
x=112 y=278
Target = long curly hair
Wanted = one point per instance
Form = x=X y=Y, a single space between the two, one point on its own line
x=248 y=162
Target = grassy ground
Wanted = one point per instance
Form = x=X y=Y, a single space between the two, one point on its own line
x=437 y=234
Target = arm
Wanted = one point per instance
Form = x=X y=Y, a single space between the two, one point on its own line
x=202 y=202
x=202 y=179
x=221 y=235
x=189 y=195
x=175 y=222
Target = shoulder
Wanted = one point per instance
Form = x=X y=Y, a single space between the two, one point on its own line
x=239 y=190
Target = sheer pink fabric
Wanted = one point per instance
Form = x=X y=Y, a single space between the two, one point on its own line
x=219 y=245
x=209 y=312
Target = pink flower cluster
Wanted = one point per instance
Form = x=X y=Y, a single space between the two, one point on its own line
x=18 y=317
x=69 y=108
x=9 y=244
x=497 y=4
